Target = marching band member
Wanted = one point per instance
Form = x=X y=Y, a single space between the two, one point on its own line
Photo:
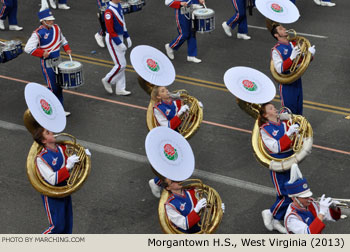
x=239 y=18
x=167 y=110
x=62 y=4
x=283 y=54
x=9 y=9
x=54 y=167
x=304 y=215
x=326 y=3
x=115 y=35
x=99 y=36
x=184 y=28
x=45 y=43
x=276 y=136
x=182 y=207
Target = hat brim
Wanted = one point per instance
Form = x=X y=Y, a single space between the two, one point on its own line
x=47 y=18
x=305 y=194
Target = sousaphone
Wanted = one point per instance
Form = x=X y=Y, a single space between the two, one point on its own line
x=45 y=110
x=155 y=68
x=171 y=157
x=252 y=88
x=285 y=12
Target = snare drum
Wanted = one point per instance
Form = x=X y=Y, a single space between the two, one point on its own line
x=126 y=7
x=9 y=51
x=135 y=5
x=70 y=74
x=204 y=20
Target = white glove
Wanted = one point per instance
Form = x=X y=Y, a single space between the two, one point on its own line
x=312 y=50
x=183 y=109
x=200 y=104
x=295 y=52
x=121 y=47
x=87 y=152
x=200 y=204
x=292 y=129
x=223 y=207
x=71 y=161
x=128 y=40
x=325 y=204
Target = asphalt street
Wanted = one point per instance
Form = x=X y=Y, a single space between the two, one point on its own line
x=116 y=198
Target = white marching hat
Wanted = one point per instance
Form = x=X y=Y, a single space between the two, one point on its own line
x=152 y=65
x=169 y=153
x=45 y=107
x=282 y=11
x=249 y=85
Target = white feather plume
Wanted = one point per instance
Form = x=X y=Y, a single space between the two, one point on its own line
x=44 y=5
x=295 y=174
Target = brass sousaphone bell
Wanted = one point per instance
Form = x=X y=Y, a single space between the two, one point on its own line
x=38 y=100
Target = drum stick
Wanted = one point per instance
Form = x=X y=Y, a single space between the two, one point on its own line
x=204 y=5
x=70 y=56
x=3 y=43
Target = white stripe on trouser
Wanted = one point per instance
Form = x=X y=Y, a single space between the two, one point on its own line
x=117 y=74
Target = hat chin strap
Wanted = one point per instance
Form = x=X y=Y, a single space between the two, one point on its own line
x=299 y=203
x=50 y=26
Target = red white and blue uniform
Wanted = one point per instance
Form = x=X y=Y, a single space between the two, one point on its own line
x=115 y=35
x=304 y=221
x=278 y=144
x=9 y=9
x=184 y=27
x=291 y=94
x=180 y=211
x=101 y=4
x=52 y=167
x=166 y=113
x=240 y=16
x=44 y=39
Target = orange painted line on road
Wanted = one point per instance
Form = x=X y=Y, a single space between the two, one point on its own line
x=144 y=108
x=331 y=149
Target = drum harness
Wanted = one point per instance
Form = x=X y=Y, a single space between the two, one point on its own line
x=53 y=63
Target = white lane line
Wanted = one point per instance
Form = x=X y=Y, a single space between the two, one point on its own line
x=299 y=33
x=143 y=159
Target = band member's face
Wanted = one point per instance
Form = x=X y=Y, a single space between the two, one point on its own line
x=48 y=137
x=305 y=201
x=173 y=185
x=282 y=32
x=163 y=93
x=271 y=111
x=48 y=23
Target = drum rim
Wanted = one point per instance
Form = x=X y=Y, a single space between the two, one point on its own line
x=211 y=12
x=74 y=67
